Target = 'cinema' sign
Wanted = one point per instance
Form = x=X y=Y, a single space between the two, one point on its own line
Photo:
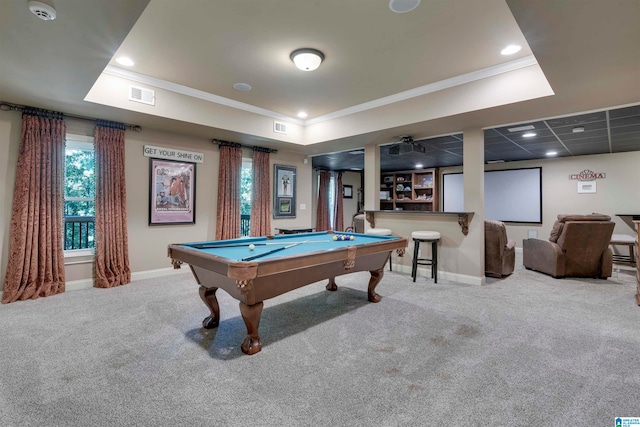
x=587 y=175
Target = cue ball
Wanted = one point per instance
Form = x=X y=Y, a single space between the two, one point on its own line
x=252 y=247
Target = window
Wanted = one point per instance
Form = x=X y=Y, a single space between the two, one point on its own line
x=245 y=197
x=79 y=193
x=332 y=201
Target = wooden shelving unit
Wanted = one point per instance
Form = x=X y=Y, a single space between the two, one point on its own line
x=413 y=190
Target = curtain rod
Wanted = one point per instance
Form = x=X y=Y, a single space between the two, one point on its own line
x=270 y=150
x=5 y=106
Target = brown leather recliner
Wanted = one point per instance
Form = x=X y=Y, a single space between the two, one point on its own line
x=499 y=251
x=578 y=247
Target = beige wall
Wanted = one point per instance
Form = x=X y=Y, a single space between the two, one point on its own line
x=10 y=126
x=350 y=206
x=618 y=193
x=147 y=244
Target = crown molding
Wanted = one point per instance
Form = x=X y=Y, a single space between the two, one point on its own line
x=484 y=73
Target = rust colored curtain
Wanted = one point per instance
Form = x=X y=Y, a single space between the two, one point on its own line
x=338 y=205
x=260 y=194
x=36 y=259
x=323 y=221
x=111 y=263
x=228 y=218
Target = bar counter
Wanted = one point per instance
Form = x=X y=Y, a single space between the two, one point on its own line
x=463 y=217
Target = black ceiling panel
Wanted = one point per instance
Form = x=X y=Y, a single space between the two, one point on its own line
x=622 y=127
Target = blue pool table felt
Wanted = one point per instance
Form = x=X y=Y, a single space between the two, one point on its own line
x=318 y=241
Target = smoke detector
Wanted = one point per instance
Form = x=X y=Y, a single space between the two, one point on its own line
x=42 y=10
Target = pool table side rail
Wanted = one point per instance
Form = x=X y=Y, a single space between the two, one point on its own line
x=246 y=270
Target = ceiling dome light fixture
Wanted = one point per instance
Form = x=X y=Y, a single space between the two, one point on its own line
x=511 y=49
x=42 y=10
x=529 y=135
x=302 y=115
x=307 y=59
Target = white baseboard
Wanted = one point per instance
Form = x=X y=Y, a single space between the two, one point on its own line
x=76 y=285
x=454 y=277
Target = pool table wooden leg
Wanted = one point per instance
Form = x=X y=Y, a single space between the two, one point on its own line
x=251 y=316
x=208 y=296
x=376 y=276
x=331 y=286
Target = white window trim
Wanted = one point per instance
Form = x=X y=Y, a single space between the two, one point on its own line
x=78 y=256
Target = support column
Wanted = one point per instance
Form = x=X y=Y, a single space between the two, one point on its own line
x=371 y=178
x=473 y=168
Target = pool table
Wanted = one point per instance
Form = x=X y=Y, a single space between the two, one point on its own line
x=276 y=265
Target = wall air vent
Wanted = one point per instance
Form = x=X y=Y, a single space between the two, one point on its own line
x=279 y=127
x=145 y=96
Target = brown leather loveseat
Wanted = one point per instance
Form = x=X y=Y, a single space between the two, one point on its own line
x=578 y=247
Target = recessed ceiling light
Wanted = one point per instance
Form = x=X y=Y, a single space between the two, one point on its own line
x=302 y=115
x=419 y=166
x=126 y=61
x=242 y=87
x=403 y=6
x=577 y=129
x=551 y=153
x=511 y=49
x=529 y=134
x=521 y=128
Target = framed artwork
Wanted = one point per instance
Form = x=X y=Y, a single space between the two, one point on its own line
x=347 y=191
x=172 y=192
x=586 y=187
x=284 y=191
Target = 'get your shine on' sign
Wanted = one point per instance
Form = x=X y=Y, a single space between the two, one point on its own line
x=173 y=154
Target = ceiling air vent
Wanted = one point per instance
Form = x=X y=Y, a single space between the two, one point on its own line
x=279 y=127
x=145 y=96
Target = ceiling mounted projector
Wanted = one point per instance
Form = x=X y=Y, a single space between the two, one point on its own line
x=406 y=146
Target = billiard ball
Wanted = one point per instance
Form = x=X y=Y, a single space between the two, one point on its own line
x=252 y=247
x=335 y=237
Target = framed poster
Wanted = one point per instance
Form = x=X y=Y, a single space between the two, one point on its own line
x=347 y=191
x=586 y=187
x=284 y=191
x=172 y=192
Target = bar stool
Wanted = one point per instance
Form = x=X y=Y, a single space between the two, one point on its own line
x=623 y=240
x=381 y=232
x=432 y=237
